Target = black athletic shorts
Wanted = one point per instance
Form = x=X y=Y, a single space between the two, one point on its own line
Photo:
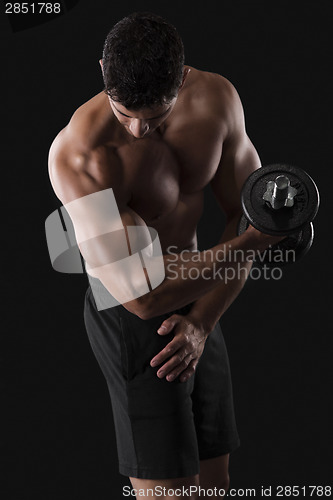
x=162 y=428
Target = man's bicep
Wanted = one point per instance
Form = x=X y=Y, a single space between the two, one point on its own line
x=109 y=234
x=128 y=261
x=111 y=239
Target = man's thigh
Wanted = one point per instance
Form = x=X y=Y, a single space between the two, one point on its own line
x=154 y=424
x=212 y=400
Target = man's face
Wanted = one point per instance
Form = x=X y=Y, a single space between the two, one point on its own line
x=144 y=122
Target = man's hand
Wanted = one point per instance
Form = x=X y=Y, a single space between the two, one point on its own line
x=184 y=350
x=263 y=240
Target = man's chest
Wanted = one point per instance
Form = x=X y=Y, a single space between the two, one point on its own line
x=161 y=173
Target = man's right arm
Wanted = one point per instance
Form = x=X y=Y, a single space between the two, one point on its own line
x=100 y=222
x=101 y=217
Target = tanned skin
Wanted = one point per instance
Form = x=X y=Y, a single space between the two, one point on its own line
x=158 y=162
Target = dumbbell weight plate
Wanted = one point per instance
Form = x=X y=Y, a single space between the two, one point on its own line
x=284 y=220
x=287 y=251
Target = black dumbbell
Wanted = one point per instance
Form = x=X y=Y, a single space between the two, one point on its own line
x=281 y=200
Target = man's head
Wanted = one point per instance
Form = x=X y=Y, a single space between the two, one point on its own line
x=143 y=68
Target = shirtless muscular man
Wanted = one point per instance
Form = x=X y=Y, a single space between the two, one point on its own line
x=158 y=133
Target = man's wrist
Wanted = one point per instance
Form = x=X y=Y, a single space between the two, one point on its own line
x=253 y=239
x=202 y=321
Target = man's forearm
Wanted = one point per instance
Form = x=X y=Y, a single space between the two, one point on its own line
x=189 y=280
x=208 y=309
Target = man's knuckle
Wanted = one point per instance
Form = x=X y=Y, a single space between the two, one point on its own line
x=188 y=338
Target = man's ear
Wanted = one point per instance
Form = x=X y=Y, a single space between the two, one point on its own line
x=185 y=73
x=101 y=65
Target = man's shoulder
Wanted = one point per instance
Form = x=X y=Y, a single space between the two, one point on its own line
x=77 y=143
x=210 y=96
x=74 y=150
x=68 y=151
x=65 y=163
x=209 y=102
x=207 y=85
x=83 y=125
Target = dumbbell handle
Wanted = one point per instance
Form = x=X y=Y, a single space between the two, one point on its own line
x=280 y=193
x=279 y=199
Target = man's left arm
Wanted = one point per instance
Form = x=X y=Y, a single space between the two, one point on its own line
x=237 y=163
x=239 y=159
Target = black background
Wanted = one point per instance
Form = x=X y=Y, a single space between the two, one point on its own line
x=58 y=431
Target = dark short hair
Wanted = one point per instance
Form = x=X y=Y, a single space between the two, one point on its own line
x=143 y=61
